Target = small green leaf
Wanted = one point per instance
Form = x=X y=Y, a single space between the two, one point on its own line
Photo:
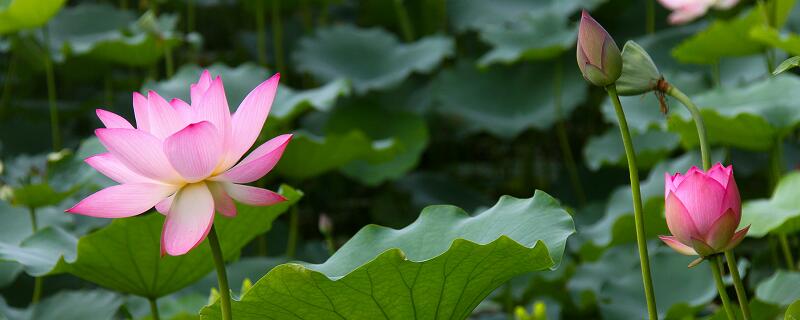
x=538 y=36
x=441 y=266
x=16 y=15
x=780 y=289
x=778 y=214
x=504 y=100
x=39 y=253
x=722 y=39
x=125 y=256
x=371 y=59
x=787 y=64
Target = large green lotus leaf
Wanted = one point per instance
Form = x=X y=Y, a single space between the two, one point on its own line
x=39 y=253
x=239 y=81
x=105 y=33
x=615 y=282
x=478 y=14
x=125 y=256
x=651 y=147
x=722 y=39
x=617 y=226
x=368 y=58
x=68 y=305
x=779 y=214
x=772 y=37
x=535 y=36
x=441 y=266
x=782 y=288
x=407 y=130
x=750 y=117
x=309 y=155
x=504 y=100
x=24 y=14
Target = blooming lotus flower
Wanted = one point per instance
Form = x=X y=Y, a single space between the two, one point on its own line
x=703 y=210
x=184 y=159
x=598 y=56
x=684 y=11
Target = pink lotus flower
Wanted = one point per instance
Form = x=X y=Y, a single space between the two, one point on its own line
x=598 y=55
x=684 y=11
x=703 y=211
x=184 y=160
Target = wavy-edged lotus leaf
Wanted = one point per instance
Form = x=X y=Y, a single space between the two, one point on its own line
x=616 y=283
x=651 y=147
x=16 y=15
x=125 y=256
x=723 y=39
x=616 y=226
x=477 y=14
x=782 y=288
x=68 y=305
x=40 y=253
x=778 y=214
x=103 y=32
x=240 y=80
x=787 y=64
x=370 y=59
x=309 y=155
x=534 y=36
x=506 y=100
x=442 y=266
x=407 y=132
x=751 y=117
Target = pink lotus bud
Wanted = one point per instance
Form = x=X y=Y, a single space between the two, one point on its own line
x=598 y=56
x=703 y=210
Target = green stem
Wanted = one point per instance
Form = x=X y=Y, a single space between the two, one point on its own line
x=291 y=243
x=170 y=66
x=787 y=251
x=330 y=244
x=32 y=214
x=561 y=130
x=650 y=19
x=261 y=34
x=51 y=91
x=638 y=216
x=402 y=18
x=154 y=309
x=277 y=35
x=741 y=294
x=715 y=74
x=705 y=152
x=37 y=281
x=698 y=122
x=716 y=268
x=222 y=277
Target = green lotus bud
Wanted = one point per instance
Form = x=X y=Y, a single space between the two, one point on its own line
x=639 y=73
x=598 y=56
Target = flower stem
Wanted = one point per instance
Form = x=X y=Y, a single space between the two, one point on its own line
x=787 y=251
x=277 y=35
x=291 y=243
x=705 y=152
x=561 y=130
x=154 y=309
x=222 y=277
x=37 y=281
x=402 y=18
x=638 y=216
x=716 y=268
x=650 y=18
x=51 y=91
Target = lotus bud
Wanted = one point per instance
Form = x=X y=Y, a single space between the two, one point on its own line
x=703 y=210
x=598 y=56
x=639 y=72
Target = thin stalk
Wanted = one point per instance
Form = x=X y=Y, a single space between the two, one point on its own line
x=277 y=35
x=563 y=140
x=787 y=251
x=291 y=243
x=402 y=18
x=330 y=244
x=261 y=34
x=638 y=216
x=32 y=214
x=650 y=19
x=37 y=281
x=716 y=268
x=715 y=76
x=154 y=309
x=222 y=277
x=170 y=67
x=705 y=152
x=51 y=91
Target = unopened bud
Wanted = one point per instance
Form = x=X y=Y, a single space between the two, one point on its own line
x=598 y=56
